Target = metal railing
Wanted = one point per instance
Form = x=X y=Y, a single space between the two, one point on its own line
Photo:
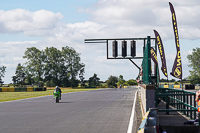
x=180 y=100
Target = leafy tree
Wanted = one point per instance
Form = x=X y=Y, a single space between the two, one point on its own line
x=112 y=81
x=35 y=62
x=73 y=64
x=14 y=79
x=54 y=65
x=194 y=64
x=121 y=81
x=121 y=77
x=94 y=81
x=20 y=74
x=74 y=83
x=49 y=83
x=26 y=81
x=81 y=74
x=2 y=73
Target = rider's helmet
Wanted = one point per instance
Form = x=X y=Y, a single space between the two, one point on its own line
x=57 y=87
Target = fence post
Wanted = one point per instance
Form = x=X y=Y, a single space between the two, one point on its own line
x=194 y=102
x=167 y=103
x=190 y=107
x=184 y=103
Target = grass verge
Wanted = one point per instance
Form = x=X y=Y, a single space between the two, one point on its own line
x=10 y=96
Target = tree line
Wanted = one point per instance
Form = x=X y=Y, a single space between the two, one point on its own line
x=49 y=67
x=112 y=81
x=115 y=81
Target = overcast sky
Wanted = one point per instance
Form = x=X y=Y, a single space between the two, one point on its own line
x=60 y=23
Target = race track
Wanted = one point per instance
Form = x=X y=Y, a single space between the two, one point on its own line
x=100 y=111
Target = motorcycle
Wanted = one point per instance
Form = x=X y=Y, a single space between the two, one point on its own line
x=57 y=96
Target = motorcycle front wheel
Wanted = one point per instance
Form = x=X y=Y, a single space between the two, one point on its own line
x=57 y=100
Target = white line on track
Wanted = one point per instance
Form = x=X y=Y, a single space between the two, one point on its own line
x=130 y=126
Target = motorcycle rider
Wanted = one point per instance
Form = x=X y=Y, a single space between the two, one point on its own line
x=58 y=89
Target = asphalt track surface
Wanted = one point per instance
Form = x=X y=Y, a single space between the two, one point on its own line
x=99 y=111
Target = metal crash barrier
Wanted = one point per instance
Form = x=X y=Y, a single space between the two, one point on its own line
x=149 y=122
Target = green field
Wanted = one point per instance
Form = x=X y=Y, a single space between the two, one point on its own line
x=9 y=96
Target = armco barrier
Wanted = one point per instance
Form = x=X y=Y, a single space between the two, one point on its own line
x=11 y=89
x=7 y=89
x=29 y=88
x=177 y=86
x=166 y=86
x=4 y=89
x=40 y=89
x=20 y=89
x=17 y=89
x=23 y=89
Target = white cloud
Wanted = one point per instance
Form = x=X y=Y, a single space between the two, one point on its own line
x=30 y=23
x=140 y=16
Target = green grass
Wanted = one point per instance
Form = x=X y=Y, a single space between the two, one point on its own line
x=10 y=96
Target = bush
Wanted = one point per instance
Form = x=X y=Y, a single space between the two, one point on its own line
x=112 y=80
x=131 y=82
x=121 y=82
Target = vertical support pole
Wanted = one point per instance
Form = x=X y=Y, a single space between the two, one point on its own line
x=144 y=46
x=181 y=101
x=107 y=48
x=187 y=106
x=157 y=73
x=173 y=99
x=149 y=59
x=143 y=61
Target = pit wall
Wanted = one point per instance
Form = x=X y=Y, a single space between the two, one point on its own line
x=147 y=97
